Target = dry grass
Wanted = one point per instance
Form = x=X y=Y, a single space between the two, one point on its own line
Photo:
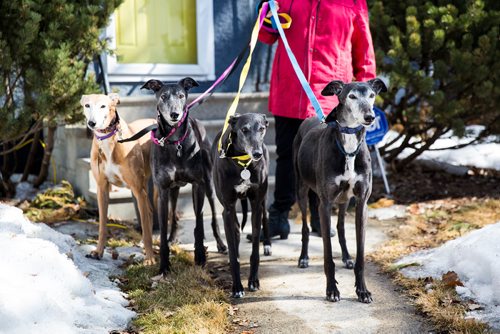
x=430 y=225
x=187 y=302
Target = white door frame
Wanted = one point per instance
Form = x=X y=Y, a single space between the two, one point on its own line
x=204 y=70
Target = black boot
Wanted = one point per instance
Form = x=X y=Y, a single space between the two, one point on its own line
x=278 y=225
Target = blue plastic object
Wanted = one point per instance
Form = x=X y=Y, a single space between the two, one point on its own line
x=376 y=132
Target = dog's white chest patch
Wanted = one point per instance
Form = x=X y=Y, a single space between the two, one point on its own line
x=242 y=187
x=111 y=170
x=113 y=174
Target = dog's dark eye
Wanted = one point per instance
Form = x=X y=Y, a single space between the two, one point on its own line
x=245 y=130
x=372 y=95
x=181 y=96
x=351 y=96
x=164 y=97
x=103 y=106
x=87 y=105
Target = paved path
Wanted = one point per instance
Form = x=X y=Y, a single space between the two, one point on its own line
x=292 y=300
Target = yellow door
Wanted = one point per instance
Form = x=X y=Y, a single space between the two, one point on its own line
x=156 y=31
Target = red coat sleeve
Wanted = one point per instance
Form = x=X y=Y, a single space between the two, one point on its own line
x=363 y=56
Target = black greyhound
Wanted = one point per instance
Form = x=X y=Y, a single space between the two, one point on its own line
x=180 y=155
x=333 y=160
x=241 y=171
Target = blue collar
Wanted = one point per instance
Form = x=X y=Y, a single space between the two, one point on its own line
x=344 y=129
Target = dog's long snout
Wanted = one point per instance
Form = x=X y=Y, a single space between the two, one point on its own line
x=91 y=124
x=369 y=118
x=174 y=115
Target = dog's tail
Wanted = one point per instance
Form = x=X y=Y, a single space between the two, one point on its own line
x=244 y=211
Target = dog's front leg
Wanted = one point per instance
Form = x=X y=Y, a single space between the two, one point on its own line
x=232 y=229
x=325 y=209
x=102 y=203
x=162 y=205
x=253 y=279
x=200 y=257
x=363 y=294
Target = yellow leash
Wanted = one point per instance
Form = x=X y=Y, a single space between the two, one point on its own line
x=244 y=72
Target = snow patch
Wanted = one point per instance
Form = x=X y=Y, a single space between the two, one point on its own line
x=391 y=212
x=475 y=258
x=43 y=291
x=484 y=154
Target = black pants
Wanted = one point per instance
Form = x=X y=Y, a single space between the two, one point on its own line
x=284 y=190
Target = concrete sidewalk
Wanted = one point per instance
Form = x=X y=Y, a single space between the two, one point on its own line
x=292 y=300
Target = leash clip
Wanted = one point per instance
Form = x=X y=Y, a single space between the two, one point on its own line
x=222 y=154
x=161 y=141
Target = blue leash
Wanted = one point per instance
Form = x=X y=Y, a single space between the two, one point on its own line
x=296 y=67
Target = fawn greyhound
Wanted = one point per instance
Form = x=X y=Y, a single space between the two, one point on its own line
x=181 y=155
x=333 y=160
x=124 y=164
x=241 y=172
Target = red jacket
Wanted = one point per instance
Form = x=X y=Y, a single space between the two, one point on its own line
x=331 y=40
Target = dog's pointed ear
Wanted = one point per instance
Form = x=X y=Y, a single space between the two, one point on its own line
x=266 y=122
x=84 y=100
x=115 y=98
x=153 y=84
x=233 y=119
x=188 y=83
x=377 y=85
x=333 y=88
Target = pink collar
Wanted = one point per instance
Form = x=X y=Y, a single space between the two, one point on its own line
x=162 y=140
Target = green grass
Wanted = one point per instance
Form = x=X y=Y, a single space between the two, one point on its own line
x=188 y=301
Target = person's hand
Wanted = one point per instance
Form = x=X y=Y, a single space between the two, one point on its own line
x=269 y=13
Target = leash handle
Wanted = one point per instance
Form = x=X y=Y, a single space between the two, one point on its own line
x=295 y=65
x=244 y=71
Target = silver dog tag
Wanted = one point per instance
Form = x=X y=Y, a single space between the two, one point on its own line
x=245 y=174
x=179 y=150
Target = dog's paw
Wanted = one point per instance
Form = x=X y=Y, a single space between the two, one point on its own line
x=173 y=241
x=221 y=248
x=238 y=294
x=149 y=261
x=364 y=296
x=159 y=278
x=200 y=257
x=267 y=250
x=349 y=264
x=94 y=255
x=333 y=296
x=253 y=285
x=304 y=262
